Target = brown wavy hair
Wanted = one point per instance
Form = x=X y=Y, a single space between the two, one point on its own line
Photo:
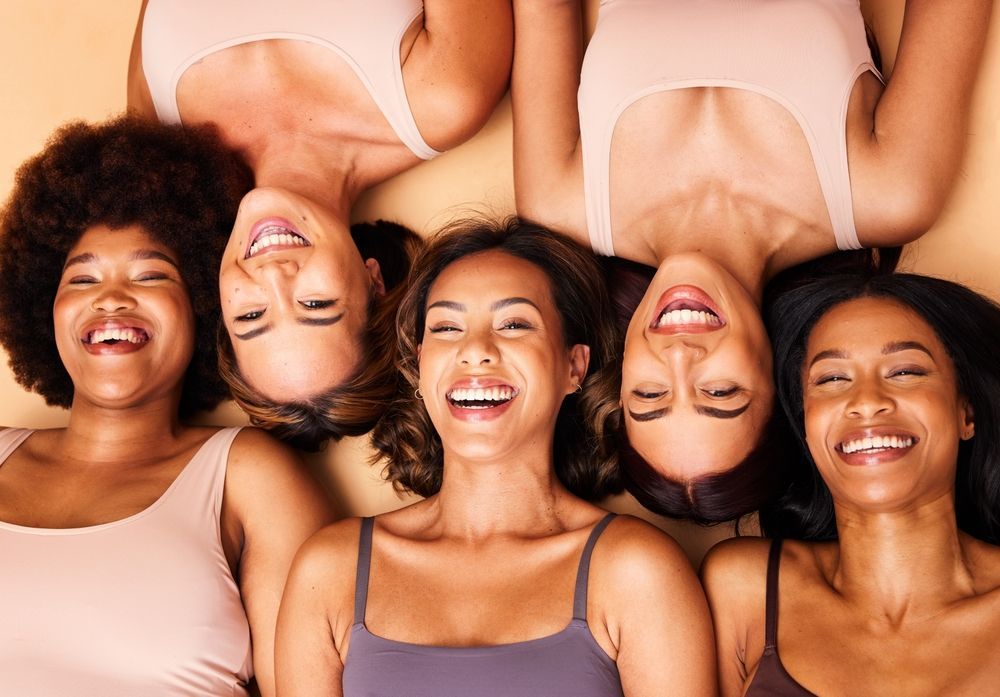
x=181 y=186
x=405 y=436
x=353 y=407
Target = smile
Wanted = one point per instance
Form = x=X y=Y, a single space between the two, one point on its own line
x=481 y=397
x=274 y=234
x=112 y=337
x=686 y=310
x=132 y=335
x=875 y=444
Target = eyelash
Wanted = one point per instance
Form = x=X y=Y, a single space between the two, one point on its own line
x=723 y=393
x=315 y=304
x=515 y=324
x=250 y=316
x=648 y=395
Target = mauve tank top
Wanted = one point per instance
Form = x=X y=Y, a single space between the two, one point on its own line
x=771 y=678
x=569 y=663
x=144 y=606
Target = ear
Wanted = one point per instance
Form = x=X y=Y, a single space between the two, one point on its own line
x=420 y=347
x=375 y=274
x=968 y=420
x=579 y=359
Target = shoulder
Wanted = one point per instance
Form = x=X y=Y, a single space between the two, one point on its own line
x=736 y=571
x=330 y=554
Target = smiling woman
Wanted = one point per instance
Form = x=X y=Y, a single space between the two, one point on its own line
x=891 y=384
x=140 y=553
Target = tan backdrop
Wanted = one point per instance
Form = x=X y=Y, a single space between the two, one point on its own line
x=62 y=60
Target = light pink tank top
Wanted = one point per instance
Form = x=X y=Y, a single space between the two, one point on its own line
x=143 y=606
x=804 y=54
x=176 y=34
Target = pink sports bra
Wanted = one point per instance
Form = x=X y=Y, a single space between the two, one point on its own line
x=804 y=54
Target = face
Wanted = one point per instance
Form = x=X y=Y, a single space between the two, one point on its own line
x=123 y=319
x=494 y=367
x=696 y=373
x=295 y=295
x=883 y=415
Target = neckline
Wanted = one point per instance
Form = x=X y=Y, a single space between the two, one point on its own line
x=138 y=515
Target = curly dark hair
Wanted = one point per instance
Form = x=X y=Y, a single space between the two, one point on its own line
x=181 y=186
x=968 y=326
x=405 y=435
x=353 y=407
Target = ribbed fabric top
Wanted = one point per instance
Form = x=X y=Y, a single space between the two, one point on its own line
x=145 y=605
x=569 y=663
x=804 y=54
x=176 y=34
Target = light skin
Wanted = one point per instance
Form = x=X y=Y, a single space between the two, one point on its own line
x=501 y=515
x=917 y=598
x=734 y=176
x=124 y=444
x=316 y=142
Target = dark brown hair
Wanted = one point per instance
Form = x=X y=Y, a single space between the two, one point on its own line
x=181 y=186
x=583 y=462
x=352 y=407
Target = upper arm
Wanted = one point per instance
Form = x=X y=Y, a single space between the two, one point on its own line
x=548 y=169
x=316 y=614
x=278 y=506
x=458 y=67
x=655 y=613
x=138 y=98
x=901 y=177
x=733 y=575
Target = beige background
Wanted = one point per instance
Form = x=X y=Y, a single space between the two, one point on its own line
x=62 y=60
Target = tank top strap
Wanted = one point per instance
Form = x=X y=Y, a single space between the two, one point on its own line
x=771 y=602
x=364 y=565
x=583 y=571
x=10 y=439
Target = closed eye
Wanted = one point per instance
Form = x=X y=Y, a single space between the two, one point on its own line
x=648 y=395
x=723 y=392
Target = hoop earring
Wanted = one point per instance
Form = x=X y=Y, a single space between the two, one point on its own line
x=418 y=395
x=579 y=388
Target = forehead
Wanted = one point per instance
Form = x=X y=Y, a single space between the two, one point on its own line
x=103 y=240
x=868 y=324
x=492 y=274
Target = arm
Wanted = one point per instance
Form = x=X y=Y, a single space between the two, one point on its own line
x=138 y=99
x=548 y=168
x=317 y=614
x=903 y=173
x=654 y=612
x=734 y=575
x=275 y=505
x=458 y=67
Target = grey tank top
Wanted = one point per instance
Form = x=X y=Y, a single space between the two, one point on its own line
x=569 y=663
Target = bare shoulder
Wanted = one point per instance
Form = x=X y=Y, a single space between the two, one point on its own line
x=329 y=553
x=632 y=553
x=735 y=570
x=255 y=453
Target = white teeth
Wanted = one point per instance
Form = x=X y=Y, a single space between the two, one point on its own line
x=482 y=394
x=276 y=236
x=687 y=316
x=875 y=443
x=118 y=334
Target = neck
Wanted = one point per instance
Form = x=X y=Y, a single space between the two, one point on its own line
x=516 y=496
x=97 y=434
x=747 y=267
x=903 y=565
x=308 y=168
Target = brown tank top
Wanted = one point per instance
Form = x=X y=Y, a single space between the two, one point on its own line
x=771 y=678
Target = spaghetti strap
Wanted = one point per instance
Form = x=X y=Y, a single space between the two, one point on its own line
x=583 y=571
x=364 y=564
x=771 y=607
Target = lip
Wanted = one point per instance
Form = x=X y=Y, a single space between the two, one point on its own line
x=690 y=297
x=479 y=414
x=265 y=226
x=119 y=347
x=879 y=456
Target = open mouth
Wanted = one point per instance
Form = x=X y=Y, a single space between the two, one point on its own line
x=110 y=337
x=871 y=445
x=481 y=397
x=686 y=310
x=273 y=234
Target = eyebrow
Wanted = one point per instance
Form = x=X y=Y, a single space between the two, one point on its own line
x=137 y=255
x=714 y=412
x=891 y=347
x=307 y=321
x=498 y=305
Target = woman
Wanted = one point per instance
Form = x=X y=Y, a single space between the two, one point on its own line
x=891 y=383
x=468 y=591
x=723 y=142
x=141 y=554
x=325 y=100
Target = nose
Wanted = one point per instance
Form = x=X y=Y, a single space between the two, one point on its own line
x=277 y=267
x=113 y=297
x=683 y=350
x=478 y=348
x=868 y=399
